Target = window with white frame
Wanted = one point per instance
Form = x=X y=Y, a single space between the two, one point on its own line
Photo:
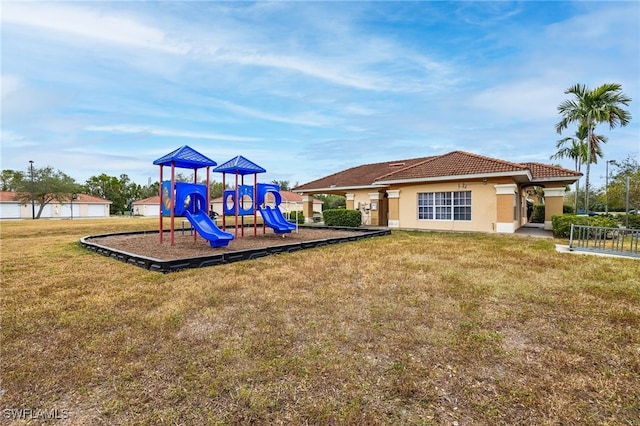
x=454 y=205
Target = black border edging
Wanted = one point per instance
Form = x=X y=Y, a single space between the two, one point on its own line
x=159 y=265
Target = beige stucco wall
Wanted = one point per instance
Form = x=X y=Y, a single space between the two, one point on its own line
x=307 y=208
x=26 y=211
x=553 y=200
x=483 y=207
x=56 y=210
x=146 y=209
x=393 y=198
x=361 y=200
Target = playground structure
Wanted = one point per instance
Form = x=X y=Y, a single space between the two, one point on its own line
x=256 y=197
x=191 y=200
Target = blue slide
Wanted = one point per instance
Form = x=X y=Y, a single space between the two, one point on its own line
x=273 y=219
x=207 y=229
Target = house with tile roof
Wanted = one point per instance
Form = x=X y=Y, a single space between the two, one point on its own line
x=147 y=207
x=84 y=206
x=457 y=191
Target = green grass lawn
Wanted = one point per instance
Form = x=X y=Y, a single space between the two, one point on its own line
x=412 y=328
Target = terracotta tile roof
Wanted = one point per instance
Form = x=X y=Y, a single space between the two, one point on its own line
x=364 y=175
x=150 y=200
x=84 y=198
x=456 y=163
x=546 y=171
x=8 y=196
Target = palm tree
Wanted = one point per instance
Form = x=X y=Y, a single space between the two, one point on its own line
x=589 y=108
x=575 y=148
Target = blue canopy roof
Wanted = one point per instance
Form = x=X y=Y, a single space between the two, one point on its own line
x=239 y=165
x=186 y=158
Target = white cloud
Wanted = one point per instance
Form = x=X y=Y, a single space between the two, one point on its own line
x=87 y=23
x=10 y=84
x=159 y=131
x=305 y=119
x=10 y=139
x=358 y=61
x=526 y=99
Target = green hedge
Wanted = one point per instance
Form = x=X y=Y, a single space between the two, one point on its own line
x=342 y=217
x=634 y=220
x=562 y=223
x=538 y=213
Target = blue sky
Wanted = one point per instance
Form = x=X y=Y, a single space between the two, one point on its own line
x=304 y=89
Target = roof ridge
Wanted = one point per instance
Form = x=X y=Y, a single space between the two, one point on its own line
x=419 y=163
x=552 y=166
x=546 y=165
x=183 y=157
x=241 y=165
x=379 y=163
x=484 y=157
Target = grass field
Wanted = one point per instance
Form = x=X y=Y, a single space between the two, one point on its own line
x=412 y=328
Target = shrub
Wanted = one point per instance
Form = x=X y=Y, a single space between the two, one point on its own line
x=342 y=217
x=568 y=209
x=295 y=216
x=538 y=213
x=562 y=223
x=634 y=220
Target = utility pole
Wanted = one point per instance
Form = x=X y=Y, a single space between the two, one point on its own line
x=33 y=200
x=606 y=186
x=627 y=205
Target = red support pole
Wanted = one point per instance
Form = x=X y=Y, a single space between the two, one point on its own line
x=195 y=182
x=242 y=228
x=208 y=191
x=160 y=193
x=255 y=204
x=173 y=200
x=224 y=202
x=236 y=204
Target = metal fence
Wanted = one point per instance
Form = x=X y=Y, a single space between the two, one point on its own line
x=618 y=241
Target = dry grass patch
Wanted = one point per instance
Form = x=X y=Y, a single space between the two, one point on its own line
x=413 y=328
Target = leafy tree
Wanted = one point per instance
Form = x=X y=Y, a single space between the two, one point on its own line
x=591 y=107
x=10 y=180
x=284 y=185
x=331 y=201
x=107 y=187
x=618 y=185
x=48 y=185
x=102 y=186
x=119 y=190
x=580 y=195
x=215 y=189
x=150 y=190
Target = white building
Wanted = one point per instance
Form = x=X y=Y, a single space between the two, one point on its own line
x=149 y=207
x=84 y=206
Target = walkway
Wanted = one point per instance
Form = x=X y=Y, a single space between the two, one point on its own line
x=534 y=230
x=537 y=230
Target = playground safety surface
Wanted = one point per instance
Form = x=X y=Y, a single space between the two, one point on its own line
x=144 y=249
